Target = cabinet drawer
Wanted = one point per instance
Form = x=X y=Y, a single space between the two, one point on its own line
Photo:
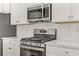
x=11 y=48
x=10 y=43
x=60 y=51
x=51 y=54
x=56 y=50
x=11 y=51
x=73 y=52
x=15 y=51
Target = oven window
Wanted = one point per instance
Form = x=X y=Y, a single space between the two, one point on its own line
x=35 y=14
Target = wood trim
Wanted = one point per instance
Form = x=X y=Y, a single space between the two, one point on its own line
x=66 y=22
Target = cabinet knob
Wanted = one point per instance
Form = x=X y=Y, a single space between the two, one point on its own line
x=9 y=48
x=66 y=52
x=72 y=16
x=69 y=17
x=18 y=21
x=9 y=42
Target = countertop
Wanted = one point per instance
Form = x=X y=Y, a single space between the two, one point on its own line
x=11 y=38
x=64 y=44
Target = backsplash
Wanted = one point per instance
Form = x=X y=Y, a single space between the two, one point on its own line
x=64 y=31
x=68 y=31
x=27 y=30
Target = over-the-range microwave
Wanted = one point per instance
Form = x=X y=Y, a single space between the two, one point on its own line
x=40 y=13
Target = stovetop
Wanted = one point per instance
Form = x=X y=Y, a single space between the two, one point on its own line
x=38 y=40
x=32 y=39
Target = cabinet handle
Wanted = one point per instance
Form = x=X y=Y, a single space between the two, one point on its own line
x=9 y=48
x=18 y=21
x=70 y=17
x=9 y=42
x=66 y=52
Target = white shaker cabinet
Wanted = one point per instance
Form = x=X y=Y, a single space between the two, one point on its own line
x=14 y=13
x=61 y=51
x=6 y=8
x=19 y=13
x=60 y=12
x=1 y=7
x=57 y=51
x=65 y=12
x=75 y=11
x=11 y=47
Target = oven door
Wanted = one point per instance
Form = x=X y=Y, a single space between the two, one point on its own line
x=34 y=13
x=31 y=51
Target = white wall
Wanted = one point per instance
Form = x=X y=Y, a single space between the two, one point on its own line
x=67 y=32
x=27 y=30
x=64 y=31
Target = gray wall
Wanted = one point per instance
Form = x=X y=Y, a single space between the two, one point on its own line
x=6 y=30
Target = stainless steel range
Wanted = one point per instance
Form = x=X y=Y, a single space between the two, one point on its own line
x=35 y=46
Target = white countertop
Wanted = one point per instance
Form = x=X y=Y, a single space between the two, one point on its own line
x=9 y=37
x=64 y=44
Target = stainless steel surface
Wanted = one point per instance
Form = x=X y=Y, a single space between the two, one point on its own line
x=38 y=41
x=40 y=13
x=45 y=31
x=33 y=48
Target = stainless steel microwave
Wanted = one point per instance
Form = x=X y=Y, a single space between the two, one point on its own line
x=40 y=13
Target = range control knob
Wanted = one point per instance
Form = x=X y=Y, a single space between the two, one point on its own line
x=38 y=45
x=42 y=45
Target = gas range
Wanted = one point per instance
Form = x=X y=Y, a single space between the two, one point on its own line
x=33 y=42
x=40 y=37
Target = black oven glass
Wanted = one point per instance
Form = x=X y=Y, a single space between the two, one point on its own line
x=46 y=12
x=35 y=14
x=43 y=31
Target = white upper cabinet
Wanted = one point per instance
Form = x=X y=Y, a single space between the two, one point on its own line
x=60 y=12
x=1 y=7
x=4 y=7
x=65 y=12
x=13 y=13
x=19 y=13
x=75 y=11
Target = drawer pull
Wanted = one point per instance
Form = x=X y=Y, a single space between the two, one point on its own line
x=66 y=52
x=9 y=48
x=9 y=42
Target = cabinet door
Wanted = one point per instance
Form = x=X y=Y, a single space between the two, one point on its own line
x=19 y=13
x=11 y=51
x=1 y=7
x=60 y=12
x=6 y=8
x=75 y=11
x=58 y=51
x=11 y=48
x=14 y=13
x=73 y=52
x=14 y=51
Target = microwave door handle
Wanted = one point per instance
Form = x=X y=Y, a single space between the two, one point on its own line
x=42 y=10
